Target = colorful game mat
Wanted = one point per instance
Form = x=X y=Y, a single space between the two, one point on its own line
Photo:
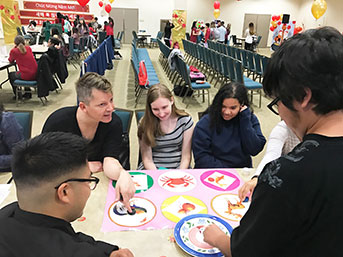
x=164 y=197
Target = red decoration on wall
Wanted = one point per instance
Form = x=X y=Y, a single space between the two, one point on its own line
x=101 y=4
x=58 y=7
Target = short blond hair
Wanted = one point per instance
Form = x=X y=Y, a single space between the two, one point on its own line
x=87 y=82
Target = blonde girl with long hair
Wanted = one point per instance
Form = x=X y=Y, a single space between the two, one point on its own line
x=165 y=132
x=23 y=56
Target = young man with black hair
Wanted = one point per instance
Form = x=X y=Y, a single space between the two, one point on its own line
x=53 y=183
x=296 y=207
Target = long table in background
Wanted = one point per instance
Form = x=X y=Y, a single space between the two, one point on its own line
x=154 y=242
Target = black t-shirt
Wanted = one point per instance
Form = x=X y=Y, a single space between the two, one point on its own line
x=296 y=208
x=32 y=235
x=107 y=139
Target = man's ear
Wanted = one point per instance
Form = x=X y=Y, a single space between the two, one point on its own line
x=82 y=106
x=306 y=102
x=63 y=193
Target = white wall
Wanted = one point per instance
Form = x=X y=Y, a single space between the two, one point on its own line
x=332 y=17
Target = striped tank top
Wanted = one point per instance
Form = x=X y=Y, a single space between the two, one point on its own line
x=168 y=149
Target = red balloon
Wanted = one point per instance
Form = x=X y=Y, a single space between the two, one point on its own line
x=274 y=18
x=289 y=27
x=216 y=5
x=279 y=23
x=108 y=8
x=101 y=4
x=294 y=22
x=83 y=2
x=278 y=17
x=271 y=28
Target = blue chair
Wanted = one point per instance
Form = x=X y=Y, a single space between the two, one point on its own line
x=250 y=84
x=201 y=88
x=265 y=61
x=126 y=119
x=139 y=115
x=258 y=67
x=153 y=41
x=24 y=118
x=20 y=88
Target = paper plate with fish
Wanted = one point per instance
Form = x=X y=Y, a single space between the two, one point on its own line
x=229 y=206
x=188 y=234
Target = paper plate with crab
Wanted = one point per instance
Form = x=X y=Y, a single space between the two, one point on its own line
x=179 y=206
x=188 y=234
x=177 y=181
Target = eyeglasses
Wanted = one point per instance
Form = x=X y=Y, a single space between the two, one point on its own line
x=93 y=181
x=273 y=106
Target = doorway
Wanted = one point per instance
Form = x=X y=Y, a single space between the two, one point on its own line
x=261 y=23
x=125 y=19
x=163 y=24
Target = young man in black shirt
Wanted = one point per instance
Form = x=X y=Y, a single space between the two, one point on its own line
x=95 y=120
x=296 y=207
x=53 y=183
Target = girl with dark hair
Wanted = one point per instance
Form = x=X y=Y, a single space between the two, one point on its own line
x=194 y=32
x=165 y=132
x=10 y=134
x=229 y=133
x=23 y=56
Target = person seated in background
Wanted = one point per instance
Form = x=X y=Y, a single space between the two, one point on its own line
x=32 y=27
x=296 y=207
x=165 y=132
x=25 y=61
x=10 y=134
x=229 y=134
x=56 y=34
x=53 y=183
x=83 y=28
x=95 y=120
x=281 y=141
x=76 y=36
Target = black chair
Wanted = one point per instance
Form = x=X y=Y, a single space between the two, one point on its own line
x=235 y=42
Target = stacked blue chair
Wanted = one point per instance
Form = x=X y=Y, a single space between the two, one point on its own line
x=250 y=84
x=202 y=88
x=139 y=55
x=153 y=41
